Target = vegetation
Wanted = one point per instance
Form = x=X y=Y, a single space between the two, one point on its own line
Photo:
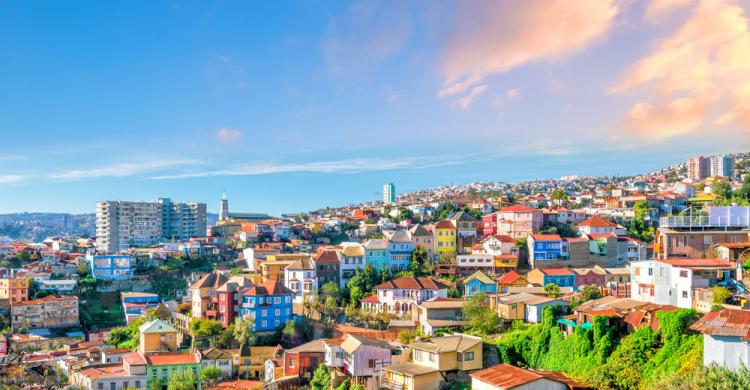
x=182 y=380
x=721 y=296
x=587 y=293
x=210 y=375
x=481 y=319
x=409 y=336
x=296 y=332
x=420 y=264
x=553 y=290
x=603 y=358
x=205 y=330
x=243 y=331
x=640 y=227
x=321 y=379
x=128 y=336
x=727 y=197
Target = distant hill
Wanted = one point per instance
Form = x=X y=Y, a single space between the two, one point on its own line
x=38 y=226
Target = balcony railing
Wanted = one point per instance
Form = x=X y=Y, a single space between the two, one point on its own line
x=702 y=221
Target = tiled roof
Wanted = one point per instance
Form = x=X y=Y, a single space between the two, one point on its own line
x=508 y=277
x=518 y=208
x=301 y=264
x=156 y=326
x=169 y=358
x=412 y=283
x=502 y=238
x=353 y=251
x=557 y=271
x=48 y=298
x=726 y=322
x=691 y=263
x=597 y=221
x=445 y=225
x=546 y=237
x=212 y=279
x=328 y=256
x=109 y=370
x=506 y=376
x=371 y=298
x=269 y=287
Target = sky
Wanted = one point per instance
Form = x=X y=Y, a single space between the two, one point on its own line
x=296 y=105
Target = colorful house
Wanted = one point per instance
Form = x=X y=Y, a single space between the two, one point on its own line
x=376 y=253
x=445 y=238
x=479 y=283
x=134 y=303
x=157 y=336
x=545 y=247
x=423 y=238
x=111 y=267
x=400 y=250
x=562 y=277
x=162 y=366
x=510 y=279
x=270 y=304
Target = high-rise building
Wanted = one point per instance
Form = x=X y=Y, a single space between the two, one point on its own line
x=698 y=168
x=125 y=224
x=224 y=210
x=722 y=166
x=389 y=193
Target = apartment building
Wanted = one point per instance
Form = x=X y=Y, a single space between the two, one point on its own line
x=14 y=290
x=515 y=221
x=124 y=224
x=722 y=166
x=47 y=312
x=698 y=168
x=696 y=234
x=111 y=267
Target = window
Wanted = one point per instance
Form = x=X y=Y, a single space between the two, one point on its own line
x=138 y=384
x=277 y=312
x=371 y=363
x=433 y=357
x=469 y=356
x=684 y=294
x=650 y=272
x=101 y=386
x=264 y=323
x=683 y=274
x=263 y=313
x=291 y=362
x=277 y=300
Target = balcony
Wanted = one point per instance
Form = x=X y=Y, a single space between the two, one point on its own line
x=386 y=383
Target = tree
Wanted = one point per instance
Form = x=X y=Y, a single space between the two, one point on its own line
x=83 y=269
x=210 y=374
x=331 y=289
x=409 y=336
x=587 y=293
x=419 y=264
x=182 y=380
x=321 y=379
x=552 y=290
x=559 y=196
x=201 y=329
x=722 y=189
x=330 y=309
x=721 y=296
x=155 y=384
x=481 y=319
x=244 y=330
x=344 y=385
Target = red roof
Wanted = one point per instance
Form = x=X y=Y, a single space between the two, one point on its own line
x=726 y=322
x=692 y=263
x=506 y=376
x=371 y=298
x=503 y=238
x=444 y=224
x=269 y=287
x=603 y=235
x=546 y=237
x=167 y=358
x=557 y=271
x=518 y=208
x=412 y=283
x=328 y=257
x=508 y=277
x=48 y=298
x=597 y=221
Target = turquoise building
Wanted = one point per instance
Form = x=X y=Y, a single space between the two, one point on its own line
x=376 y=253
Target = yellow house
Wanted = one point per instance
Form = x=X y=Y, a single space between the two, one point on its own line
x=445 y=238
x=411 y=376
x=157 y=336
x=450 y=353
x=272 y=268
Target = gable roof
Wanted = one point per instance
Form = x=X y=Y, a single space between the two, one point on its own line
x=301 y=264
x=328 y=256
x=462 y=216
x=269 y=287
x=508 y=277
x=597 y=221
x=399 y=236
x=444 y=225
x=419 y=230
x=481 y=277
x=376 y=244
x=454 y=343
x=546 y=237
x=315 y=346
x=412 y=283
x=506 y=376
x=499 y=237
x=213 y=279
x=352 y=342
x=156 y=326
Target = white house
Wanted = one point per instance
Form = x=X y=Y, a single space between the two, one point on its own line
x=351 y=257
x=61 y=285
x=365 y=357
x=217 y=358
x=499 y=244
x=398 y=295
x=334 y=354
x=671 y=281
x=300 y=277
x=726 y=338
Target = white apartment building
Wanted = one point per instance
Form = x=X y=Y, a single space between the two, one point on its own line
x=124 y=224
x=722 y=166
x=672 y=281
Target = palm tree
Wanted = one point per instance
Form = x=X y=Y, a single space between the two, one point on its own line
x=559 y=196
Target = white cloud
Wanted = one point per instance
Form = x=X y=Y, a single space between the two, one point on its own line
x=120 y=169
x=228 y=135
x=514 y=93
x=10 y=179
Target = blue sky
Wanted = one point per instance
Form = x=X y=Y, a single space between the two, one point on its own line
x=291 y=106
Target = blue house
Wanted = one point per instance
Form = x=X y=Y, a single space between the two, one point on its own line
x=562 y=277
x=400 y=250
x=479 y=283
x=111 y=267
x=546 y=247
x=134 y=303
x=376 y=253
x=269 y=303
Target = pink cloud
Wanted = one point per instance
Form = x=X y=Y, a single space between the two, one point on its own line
x=658 y=8
x=492 y=37
x=468 y=100
x=227 y=135
x=699 y=75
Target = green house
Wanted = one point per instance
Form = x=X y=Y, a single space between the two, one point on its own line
x=163 y=366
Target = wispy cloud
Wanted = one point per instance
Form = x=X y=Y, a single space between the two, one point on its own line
x=11 y=179
x=13 y=158
x=468 y=100
x=121 y=169
x=514 y=93
x=492 y=37
x=228 y=135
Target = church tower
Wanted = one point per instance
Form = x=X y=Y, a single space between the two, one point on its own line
x=224 y=210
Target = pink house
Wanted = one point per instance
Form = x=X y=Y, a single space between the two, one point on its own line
x=515 y=221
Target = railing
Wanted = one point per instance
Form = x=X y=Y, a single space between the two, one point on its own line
x=392 y=385
x=701 y=221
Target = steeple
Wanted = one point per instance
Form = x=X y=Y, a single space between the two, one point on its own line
x=224 y=210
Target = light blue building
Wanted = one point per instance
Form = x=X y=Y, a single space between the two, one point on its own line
x=269 y=303
x=376 y=253
x=111 y=267
x=400 y=250
x=479 y=283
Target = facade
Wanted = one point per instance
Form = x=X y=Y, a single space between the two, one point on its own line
x=302 y=361
x=596 y=249
x=562 y=277
x=389 y=193
x=397 y=296
x=270 y=304
x=698 y=168
x=497 y=244
x=47 y=312
x=452 y=353
x=214 y=357
x=423 y=238
x=327 y=267
x=598 y=225
x=300 y=279
x=134 y=303
x=469 y=264
x=726 y=338
x=225 y=305
x=162 y=366
x=14 y=290
x=524 y=306
x=400 y=250
x=111 y=267
x=546 y=247
x=518 y=221
x=124 y=224
x=363 y=356
x=722 y=166
x=510 y=279
x=446 y=243
x=157 y=336
x=438 y=314
x=693 y=235
x=376 y=253
x=479 y=283
x=351 y=257
x=673 y=281
x=465 y=224
x=202 y=291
